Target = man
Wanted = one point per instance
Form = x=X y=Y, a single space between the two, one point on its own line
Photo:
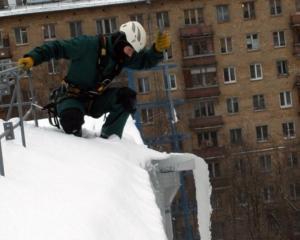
x=94 y=62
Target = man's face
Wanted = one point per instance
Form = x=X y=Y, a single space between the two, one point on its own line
x=128 y=51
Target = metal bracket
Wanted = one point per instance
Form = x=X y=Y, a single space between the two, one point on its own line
x=8 y=126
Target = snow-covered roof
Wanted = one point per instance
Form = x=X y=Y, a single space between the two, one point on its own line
x=62 y=187
x=13 y=10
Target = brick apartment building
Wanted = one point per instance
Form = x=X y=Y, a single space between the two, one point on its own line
x=235 y=85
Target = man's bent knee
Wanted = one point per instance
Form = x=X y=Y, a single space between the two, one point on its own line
x=71 y=121
x=127 y=97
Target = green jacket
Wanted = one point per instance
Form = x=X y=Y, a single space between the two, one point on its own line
x=83 y=55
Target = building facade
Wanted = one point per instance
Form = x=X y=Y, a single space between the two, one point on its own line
x=234 y=82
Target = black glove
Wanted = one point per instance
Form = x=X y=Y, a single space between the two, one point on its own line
x=127 y=97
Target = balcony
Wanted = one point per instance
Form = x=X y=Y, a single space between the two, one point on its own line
x=195 y=31
x=203 y=122
x=295 y=20
x=210 y=152
x=194 y=61
x=202 y=92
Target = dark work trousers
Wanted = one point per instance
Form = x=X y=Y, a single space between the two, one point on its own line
x=107 y=102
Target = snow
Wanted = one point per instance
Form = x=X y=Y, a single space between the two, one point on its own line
x=48 y=6
x=70 y=188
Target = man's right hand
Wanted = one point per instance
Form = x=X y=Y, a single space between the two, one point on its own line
x=26 y=63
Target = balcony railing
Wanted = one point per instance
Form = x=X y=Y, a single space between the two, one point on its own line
x=295 y=20
x=195 y=31
x=202 y=92
x=203 y=122
x=210 y=152
x=204 y=59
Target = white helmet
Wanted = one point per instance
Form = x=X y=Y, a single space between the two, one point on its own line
x=135 y=34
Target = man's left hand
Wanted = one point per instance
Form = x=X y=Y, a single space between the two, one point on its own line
x=162 y=42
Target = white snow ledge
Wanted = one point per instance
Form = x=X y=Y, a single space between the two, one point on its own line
x=13 y=10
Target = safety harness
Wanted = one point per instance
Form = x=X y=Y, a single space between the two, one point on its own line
x=68 y=90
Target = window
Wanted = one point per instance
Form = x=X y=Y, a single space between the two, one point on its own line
x=242 y=198
x=275 y=7
x=292 y=160
x=207 y=139
x=256 y=71
x=204 y=109
x=236 y=136
x=143 y=85
x=106 y=26
x=137 y=17
x=240 y=165
x=171 y=84
x=282 y=67
x=285 y=99
x=248 y=10
x=288 y=129
x=214 y=169
x=21 y=35
x=232 y=105
x=147 y=115
x=262 y=133
x=204 y=76
x=258 y=102
x=163 y=17
x=265 y=163
x=226 y=45
x=217 y=231
x=196 y=47
x=268 y=193
x=193 y=16
x=222 y=13
x=53 y=66
x=216 y=201
x=75 y=29
x=295 y=190
x=252 y=41
x=229 y=75
x=49 y=31
x=279 y=39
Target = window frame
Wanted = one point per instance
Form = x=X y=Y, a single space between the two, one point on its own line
x=22 y=31
x=252 y=44
x=262 y=133
x=230 y=71
x=256 y=67
x=148 y=116
x=249 y=8
x=223 y=14
x=236 y=136
x=143 y=85
x=282 y=67
x=164 y=16
x=232 y=104
x=260 y=100
x=289 y=130
x=101 y=25
x=279 y=40
x=75 y=28
x=274 y=9
x=198 y=15
x=49 y=32
x=286 y=99
x=226 y=45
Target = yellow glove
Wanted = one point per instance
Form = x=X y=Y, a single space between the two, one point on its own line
x=162 y=41
x=26 y=63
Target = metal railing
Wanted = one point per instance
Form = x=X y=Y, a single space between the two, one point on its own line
x=10 y=86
